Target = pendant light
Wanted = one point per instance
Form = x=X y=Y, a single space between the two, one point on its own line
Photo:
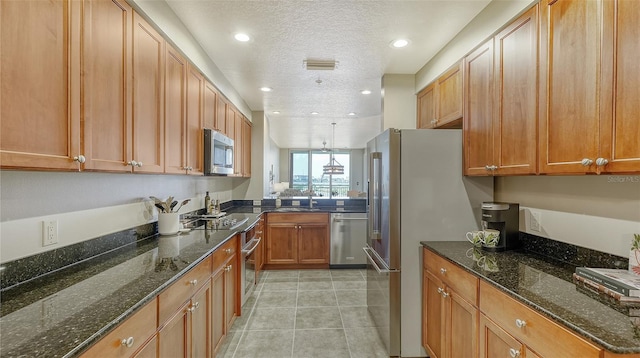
x=333 y=167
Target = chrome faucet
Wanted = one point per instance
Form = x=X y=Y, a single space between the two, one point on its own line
x=311 y=202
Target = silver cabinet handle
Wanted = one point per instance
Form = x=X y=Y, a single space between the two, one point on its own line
x=443 y=292
x=193 y=282
x=127 y=342
x=139 y=164
x=601 y=162
x=514 y=353
x=80 y=159
x=520 y=323
x=586 y=162
x=443 y=270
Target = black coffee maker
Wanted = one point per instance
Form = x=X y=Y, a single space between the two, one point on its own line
x=503 y=217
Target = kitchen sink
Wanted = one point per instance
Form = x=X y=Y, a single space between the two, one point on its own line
x=296 y=209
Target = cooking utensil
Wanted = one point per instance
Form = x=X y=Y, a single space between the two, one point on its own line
x=186 y=201
x=173 y=205
x=160 y=207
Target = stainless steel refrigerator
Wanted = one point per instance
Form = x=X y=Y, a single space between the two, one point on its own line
x=416 y=193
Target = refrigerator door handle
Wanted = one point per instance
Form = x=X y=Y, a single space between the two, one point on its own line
x=375 y=225
x=349 y=219
x=368 y=251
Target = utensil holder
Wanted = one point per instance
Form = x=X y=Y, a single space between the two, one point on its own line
x=168 y=223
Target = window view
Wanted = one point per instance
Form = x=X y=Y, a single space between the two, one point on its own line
x=307 y=173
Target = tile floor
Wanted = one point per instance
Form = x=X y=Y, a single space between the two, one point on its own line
x=304 y=314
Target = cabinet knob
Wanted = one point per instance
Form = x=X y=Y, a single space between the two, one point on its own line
x=487 y=167
x=601 y=162
x=193 y=307
x=193 y=282
x=80 y=159
x=520 y=323
x=443 y=270
x=228 y=268
x=493 y=167
x=139 y=164
x=514 y=353
x=132 y=163
x=227 y=251
x=586 y=162
x=127 y=342
x=443 y=292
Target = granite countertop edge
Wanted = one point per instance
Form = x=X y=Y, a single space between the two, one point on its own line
x=536 y=307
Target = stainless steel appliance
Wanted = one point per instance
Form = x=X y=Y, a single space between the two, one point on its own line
x=416 y=193
x=249 y=241
x=218 y=153
x=348 y=236
x=504 y=217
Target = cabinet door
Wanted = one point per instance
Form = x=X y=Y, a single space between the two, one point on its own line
x=569 y=85
x=148 y=94
x=462 y=327
x=40 y=126
x=201 y=322
x=221 y=115
x=231 y=291
x=478 y=111
x=246 y=148
x=238 y=145
x=433 y=317
x=106 y=84
x=150 y=350
x=620 y=127
x=209 y=110
x=426 y=107
x=218 y=323
x=495 y=342
x=313 y=244
x=449 y=87
x=175 y=112
x=516 y=117
x=173 y=337
x=230 y=122
x=282 y=243
x=193 y=130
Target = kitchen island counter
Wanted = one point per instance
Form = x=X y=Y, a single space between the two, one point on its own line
x=546 y=285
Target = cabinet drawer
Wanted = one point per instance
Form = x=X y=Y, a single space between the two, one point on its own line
x=298 y=218
x=461 y=281
x=170 y=299
x=136 y=329
x=539 y=333
x=222 y=254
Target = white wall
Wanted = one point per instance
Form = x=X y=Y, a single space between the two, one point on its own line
x=87 y=205
x=398 y=102
x=271 y=160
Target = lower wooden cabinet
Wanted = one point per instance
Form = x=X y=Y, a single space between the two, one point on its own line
x=297 y=238
x=225 y=301
x=495 y=342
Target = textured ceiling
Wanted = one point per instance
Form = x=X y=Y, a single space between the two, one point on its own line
x=357 y=34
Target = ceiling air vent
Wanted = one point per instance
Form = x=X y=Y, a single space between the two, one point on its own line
x=320 y=64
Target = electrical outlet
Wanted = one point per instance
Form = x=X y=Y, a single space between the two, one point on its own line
x=535 y=221
x=339 y=202
x=49 y=232
x=257 y=202
x=295 y=203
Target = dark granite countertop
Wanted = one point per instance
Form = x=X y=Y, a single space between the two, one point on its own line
x=296 y=209
x=547 y=286
x=65 y=312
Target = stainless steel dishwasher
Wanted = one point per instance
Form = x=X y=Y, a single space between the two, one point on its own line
x=348 y=237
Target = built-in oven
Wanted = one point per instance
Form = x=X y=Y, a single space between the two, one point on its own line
x=218 y=153
x=250 y=241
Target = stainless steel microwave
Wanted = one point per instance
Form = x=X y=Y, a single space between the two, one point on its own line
x=218 y=153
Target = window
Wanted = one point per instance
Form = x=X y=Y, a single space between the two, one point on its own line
x=306 y=173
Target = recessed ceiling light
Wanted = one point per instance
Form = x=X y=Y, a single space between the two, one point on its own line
x=365 y=92
x=242 y=37
x=266 y=89
x=276 y=112
x=399 y=43
x=314 y=113
x=351 y=113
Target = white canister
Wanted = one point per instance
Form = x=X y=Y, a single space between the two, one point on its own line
x=168 y=223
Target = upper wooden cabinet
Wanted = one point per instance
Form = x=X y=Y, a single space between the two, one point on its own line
x=246 y=148
x=501 y=113
x=175 y=111
x=440 y=103
x=194 y=138
x=148 y=97
x=620 y=126
x=106 y=85
x=221 y=114
x=209 y=110
x=40 y=109
x=237 y=144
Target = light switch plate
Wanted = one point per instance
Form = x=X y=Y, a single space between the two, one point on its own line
x=340 y=202
x=257 y=202
x=535 y=221
x=295 y=202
